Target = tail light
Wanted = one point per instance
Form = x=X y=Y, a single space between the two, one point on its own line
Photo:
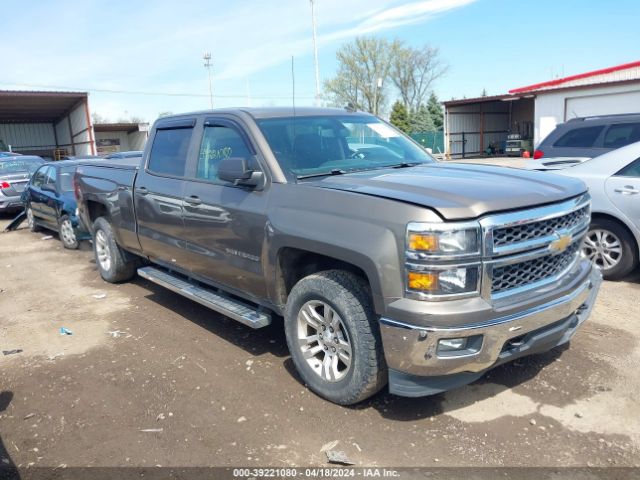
x=538 y=154
x=4 y=185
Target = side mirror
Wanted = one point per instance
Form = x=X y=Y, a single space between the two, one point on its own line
x=237 y=171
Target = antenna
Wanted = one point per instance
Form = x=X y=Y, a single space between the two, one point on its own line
x=293 y=100
x=293 y=87
x=315 y=53
x=207 y=64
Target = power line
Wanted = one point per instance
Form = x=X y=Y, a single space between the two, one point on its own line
x=140 y=92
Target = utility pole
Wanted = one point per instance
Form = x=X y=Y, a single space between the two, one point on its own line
x=207 y=63
x=315 y=52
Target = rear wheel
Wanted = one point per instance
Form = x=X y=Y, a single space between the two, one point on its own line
x=112 y=261
x=611 y=248
x=67 y=233
x=334 y=338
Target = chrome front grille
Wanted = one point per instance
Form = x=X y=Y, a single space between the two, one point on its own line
x=518 y=275
x=528 y=248
x=539 y=229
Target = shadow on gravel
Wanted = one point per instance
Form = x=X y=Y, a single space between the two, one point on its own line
x=8 y=469
x=256 y=342
x=271 y=339
x=508 y=375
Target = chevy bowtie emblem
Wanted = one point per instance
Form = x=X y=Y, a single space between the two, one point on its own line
x=561 y=244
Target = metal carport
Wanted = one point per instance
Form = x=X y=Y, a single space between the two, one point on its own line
x=49 y=124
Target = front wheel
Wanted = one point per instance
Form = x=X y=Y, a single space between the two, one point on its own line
x=31 y=219
x=111 y=260
x=611 y=248
x=333 y=336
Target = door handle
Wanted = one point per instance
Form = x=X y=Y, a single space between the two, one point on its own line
x=142 y=190
x=627 y=190
x=193 y=200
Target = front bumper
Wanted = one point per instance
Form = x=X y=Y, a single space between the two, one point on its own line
x=416 y=368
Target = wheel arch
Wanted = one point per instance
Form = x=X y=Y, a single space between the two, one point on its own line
x=292 y=263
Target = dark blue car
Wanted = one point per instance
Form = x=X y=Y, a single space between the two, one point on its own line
x=50 y=203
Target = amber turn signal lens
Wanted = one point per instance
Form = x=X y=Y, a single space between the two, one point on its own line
x=423 y=242
x=422 y=281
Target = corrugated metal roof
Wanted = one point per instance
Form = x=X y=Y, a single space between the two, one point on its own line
x=618 y=73
x=24 y=106
x=492 y=98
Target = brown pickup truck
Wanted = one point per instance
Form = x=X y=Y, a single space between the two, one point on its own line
x=388 y=267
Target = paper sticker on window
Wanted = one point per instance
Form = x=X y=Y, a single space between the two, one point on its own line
x=383 y=130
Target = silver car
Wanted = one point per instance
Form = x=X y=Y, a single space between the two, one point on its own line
x=15 y=172
x=614 y=183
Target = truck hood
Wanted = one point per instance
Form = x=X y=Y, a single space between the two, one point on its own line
x=459 y=191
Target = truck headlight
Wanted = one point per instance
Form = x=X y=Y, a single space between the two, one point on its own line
x=443 y=239
x=446 y=281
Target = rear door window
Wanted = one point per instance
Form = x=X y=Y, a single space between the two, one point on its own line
x=622 y=134
x=584 y=137
x=169 y=151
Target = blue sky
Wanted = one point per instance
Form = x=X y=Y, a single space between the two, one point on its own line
x=157 y=46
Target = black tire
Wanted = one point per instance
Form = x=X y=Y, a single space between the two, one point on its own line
x=628 y=257
x=119 y=268
x=68 y=238
x=348 y=296
x=31 y=221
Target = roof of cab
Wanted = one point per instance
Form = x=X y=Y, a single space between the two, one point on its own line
x=272 y=112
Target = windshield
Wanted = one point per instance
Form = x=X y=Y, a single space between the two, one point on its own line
x=19 y=165
x=322 y=145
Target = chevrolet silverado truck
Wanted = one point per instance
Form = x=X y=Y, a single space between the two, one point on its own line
x=387 y=267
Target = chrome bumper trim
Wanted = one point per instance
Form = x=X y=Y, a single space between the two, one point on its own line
x=412 y=349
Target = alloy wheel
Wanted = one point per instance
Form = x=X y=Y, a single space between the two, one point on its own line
x=66 y=232
x=324 y=341
x=603 y=248
x=30 y=219
x=102 y=250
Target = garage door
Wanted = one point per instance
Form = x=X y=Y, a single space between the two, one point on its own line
x=609 y=104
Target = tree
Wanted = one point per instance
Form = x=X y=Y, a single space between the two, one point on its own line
x=363 y=74
x=97 y=118
x=435 y=111
x=413 y=72
x=399 y=117
x=421 y=121
x=484 y=92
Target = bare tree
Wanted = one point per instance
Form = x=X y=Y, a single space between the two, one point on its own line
x=363 y=74
x=97 y=118
x=413 y=72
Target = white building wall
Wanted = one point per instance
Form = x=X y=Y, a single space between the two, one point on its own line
x=137 y=140
x=553 y=107
x=80 y=130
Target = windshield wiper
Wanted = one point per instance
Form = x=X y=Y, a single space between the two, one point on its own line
x=335 y=171
x=405 y=165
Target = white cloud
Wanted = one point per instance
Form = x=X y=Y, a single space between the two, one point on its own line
x=124 y=45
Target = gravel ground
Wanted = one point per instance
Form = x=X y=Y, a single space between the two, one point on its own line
x=149 y=378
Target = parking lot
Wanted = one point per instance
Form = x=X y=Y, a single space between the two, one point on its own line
x=150 y=378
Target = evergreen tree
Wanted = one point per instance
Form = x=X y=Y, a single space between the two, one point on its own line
x=435 y=111
x=421 y=121
x=399 y=117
